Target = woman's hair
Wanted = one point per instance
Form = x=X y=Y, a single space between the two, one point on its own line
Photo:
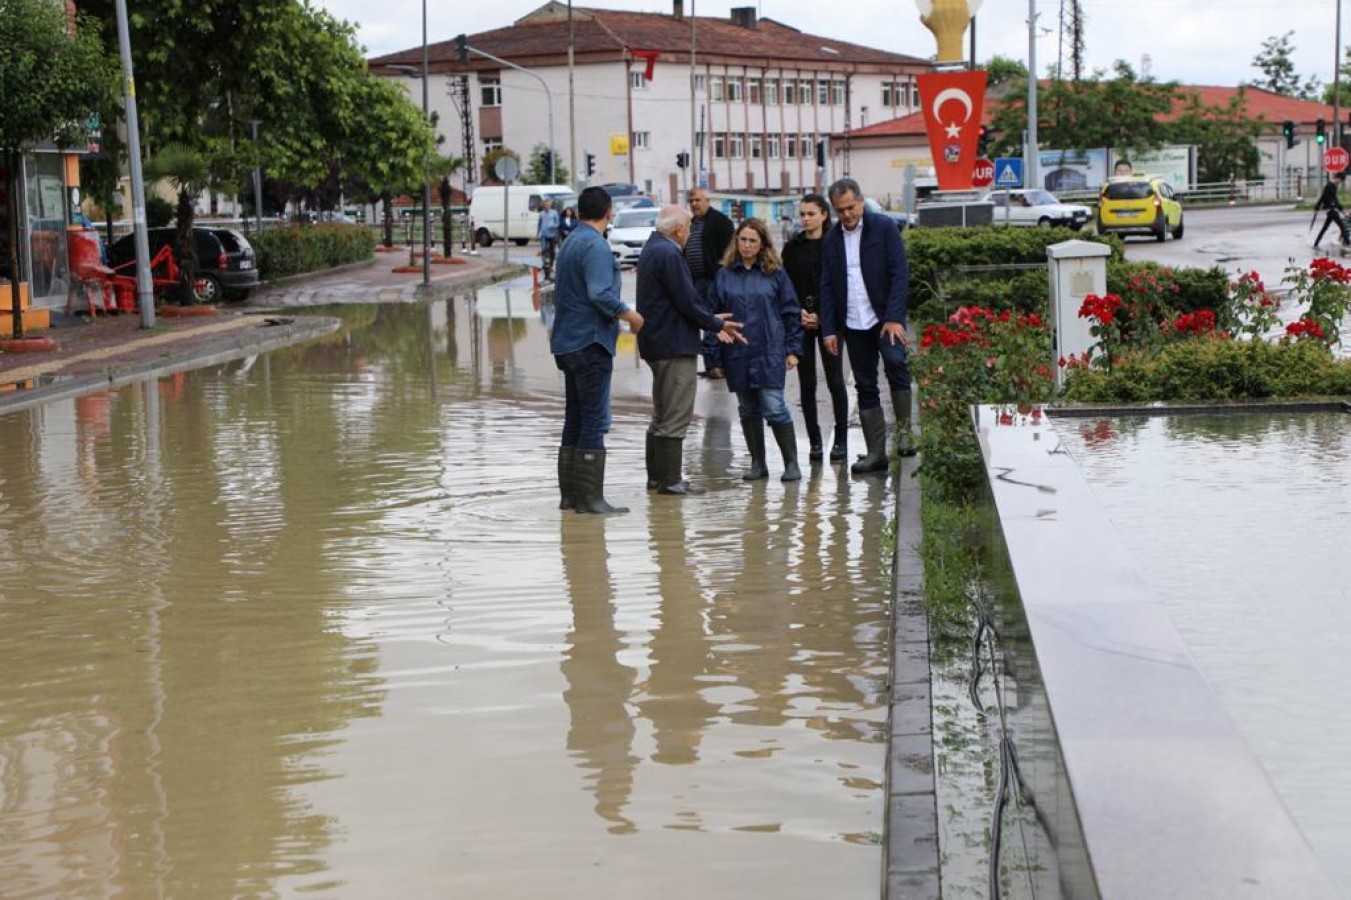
x=768 y=258
x=820 y=202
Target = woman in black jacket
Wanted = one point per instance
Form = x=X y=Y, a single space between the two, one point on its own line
x=802 y=260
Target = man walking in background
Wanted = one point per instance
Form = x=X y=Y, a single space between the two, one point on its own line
x=587 y=310
x=710 y=233
x=864 y=291
x=673 y=316
x=1330 y=201
x=547 y=232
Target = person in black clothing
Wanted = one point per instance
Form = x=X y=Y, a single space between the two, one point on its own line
x=710 y=235
x=669 y=343
x=1332 y=203
x=802 y=260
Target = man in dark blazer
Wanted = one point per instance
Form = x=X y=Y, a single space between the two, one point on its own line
x=710 y=234
x=864 y=289
x=673 y=315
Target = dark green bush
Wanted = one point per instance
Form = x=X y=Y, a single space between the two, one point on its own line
x=1181 y=290
x=1206 y=369
x=935 y=253
x=159 y=213
x=1025 y=292
x=296 y=249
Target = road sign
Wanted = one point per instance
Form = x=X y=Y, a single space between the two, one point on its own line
x=982 y=173
x=506 y=168
x=1008 y=172
x=1335 y=159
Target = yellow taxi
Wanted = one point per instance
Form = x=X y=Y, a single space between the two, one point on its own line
x=1139 y=204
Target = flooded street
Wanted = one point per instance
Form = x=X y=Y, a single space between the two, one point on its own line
x=311 y=623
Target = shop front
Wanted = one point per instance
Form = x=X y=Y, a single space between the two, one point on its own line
x=48 y=202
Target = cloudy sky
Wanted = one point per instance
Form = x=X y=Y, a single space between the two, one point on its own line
x=1192 y=41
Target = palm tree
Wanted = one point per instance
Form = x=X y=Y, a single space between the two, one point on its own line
x=442 y=167
x=188 y=174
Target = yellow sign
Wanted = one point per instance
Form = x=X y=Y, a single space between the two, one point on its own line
x=619 y=145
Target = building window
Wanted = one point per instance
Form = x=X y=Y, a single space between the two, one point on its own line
x=700 y=84
x=755 y=92
x=491 y=144
x=490 y=91
x=772 y=146
x=804 y=92
x=914 y=94
x=771 y=92
x=642 y=140
x=716 y=89
x=837 y=93
x=894 y=93
x=638 y=81
x=757 y=147
x=790 y=92
x=822 y=92
x=736 y=146
x=807 y=150
x=734 y=90
x=719 y=146
x=790 y=146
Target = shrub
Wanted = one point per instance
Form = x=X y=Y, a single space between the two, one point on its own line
x=159 y=213
x=1169 y=290
x=295 y=249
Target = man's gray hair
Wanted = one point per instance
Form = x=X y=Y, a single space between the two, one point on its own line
x=845 y=186
x=671 y=218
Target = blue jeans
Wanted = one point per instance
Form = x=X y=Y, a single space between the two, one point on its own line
x=763 y=403
x=712 y=347
x=865 y=347
x=586 y=392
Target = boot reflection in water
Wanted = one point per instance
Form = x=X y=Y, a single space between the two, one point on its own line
x=600 y=729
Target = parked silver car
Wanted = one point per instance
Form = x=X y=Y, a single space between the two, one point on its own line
x=1035 y=207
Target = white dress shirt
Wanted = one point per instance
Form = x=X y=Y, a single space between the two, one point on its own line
x=859 y=314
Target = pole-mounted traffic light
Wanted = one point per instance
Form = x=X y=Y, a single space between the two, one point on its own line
x=1320 y=132
x=983 y=141
x=820 y=154
x=462 y=48
x=1288 y=129
x=590 y=165
x=682 y=160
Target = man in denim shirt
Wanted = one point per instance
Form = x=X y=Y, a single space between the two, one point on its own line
x=587 y=310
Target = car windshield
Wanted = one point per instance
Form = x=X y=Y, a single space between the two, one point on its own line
x=1041 y=198
x=1127 y=190
x=636 y=218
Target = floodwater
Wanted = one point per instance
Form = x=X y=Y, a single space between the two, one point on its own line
x=1239 y=521
x=311 y=624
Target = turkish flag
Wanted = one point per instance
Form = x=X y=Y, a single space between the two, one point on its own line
x=953 y=105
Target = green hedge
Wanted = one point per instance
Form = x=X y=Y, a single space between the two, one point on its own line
x=1194 y=288
x=1208 y=369
x=934 y=254
x=308 y=248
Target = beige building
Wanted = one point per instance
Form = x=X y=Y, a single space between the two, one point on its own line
x=750 y=111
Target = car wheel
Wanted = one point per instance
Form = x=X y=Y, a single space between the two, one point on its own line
x=207 y=289
x=1177 y=232
x=1044 y=222
x=483 y=237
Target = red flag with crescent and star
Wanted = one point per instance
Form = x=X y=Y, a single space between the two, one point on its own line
x=953 y=105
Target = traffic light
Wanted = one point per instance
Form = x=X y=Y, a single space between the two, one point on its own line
x=462 y=48
x=682 y=160
x=820 y=154
x=590 y=165
x=983 y=141
x=1288 y=129
x=1320 y=132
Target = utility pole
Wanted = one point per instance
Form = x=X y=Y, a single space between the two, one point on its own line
x=1031 y=166
x=145 y=294
x=572 y=99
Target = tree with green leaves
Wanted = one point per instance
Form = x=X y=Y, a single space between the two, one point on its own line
x=490 y=164
x=187 y=172
x=1002 y=71
x=51 y=79
x=1278 y=69
x=1225 y=137
x=537 y=172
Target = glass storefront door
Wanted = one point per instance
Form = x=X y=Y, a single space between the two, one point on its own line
x=45 y=204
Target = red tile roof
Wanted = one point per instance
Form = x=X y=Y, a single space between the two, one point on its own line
x=603 y=33
x=1262 y=105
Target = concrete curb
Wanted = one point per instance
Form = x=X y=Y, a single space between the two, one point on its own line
x=226 y=347
x=910 y=850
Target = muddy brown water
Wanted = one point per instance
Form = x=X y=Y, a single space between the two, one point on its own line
x=311 y=624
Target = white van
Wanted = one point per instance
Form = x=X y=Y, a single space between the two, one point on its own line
x=512 y=212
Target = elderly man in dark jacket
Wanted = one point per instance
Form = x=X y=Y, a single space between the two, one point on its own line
x=710 y=234
x=864 y=289
x=669 y=342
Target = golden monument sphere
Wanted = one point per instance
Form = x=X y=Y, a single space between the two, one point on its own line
x=947 y=19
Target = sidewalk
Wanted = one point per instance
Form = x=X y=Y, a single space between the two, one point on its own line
x=110 y=349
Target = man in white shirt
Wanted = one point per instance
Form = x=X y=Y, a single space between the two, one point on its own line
x=864 y=290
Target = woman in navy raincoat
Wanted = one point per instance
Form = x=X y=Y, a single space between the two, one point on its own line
x=753 y=286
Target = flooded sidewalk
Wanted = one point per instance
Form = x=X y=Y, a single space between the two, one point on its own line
x=311 y=622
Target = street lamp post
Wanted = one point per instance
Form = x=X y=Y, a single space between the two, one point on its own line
x=426 y=167
x=548 y=94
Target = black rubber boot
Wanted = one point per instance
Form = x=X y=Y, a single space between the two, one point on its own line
x=754 y=430
x=905 y=441
x=875 y=436
x=840 y=449
x=669 y=454
x=588 y=479
x=650 y=456
x=565 y=486
x=786 y=438
x=814 y=450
